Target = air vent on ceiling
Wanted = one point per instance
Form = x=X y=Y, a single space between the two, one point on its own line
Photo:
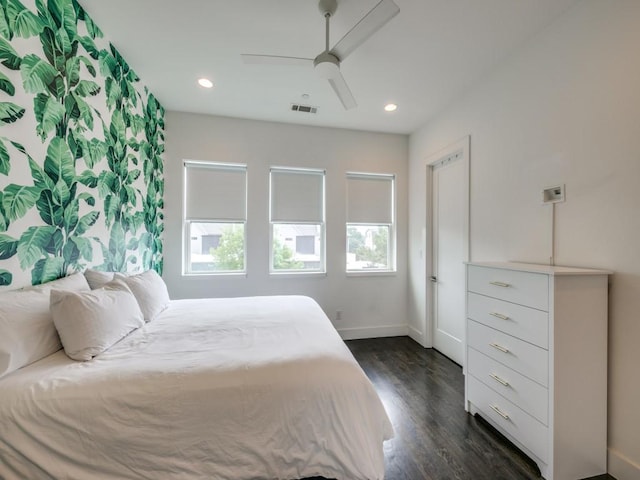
x=303 y=108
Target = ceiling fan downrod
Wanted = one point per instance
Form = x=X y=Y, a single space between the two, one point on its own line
x=327 y=8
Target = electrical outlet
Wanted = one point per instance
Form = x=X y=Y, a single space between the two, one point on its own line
x=338 y=316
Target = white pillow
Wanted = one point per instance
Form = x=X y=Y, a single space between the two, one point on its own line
x=91 y=322
x=74 y=282
x=27 y=333
x=97 y=279
x=150 y=292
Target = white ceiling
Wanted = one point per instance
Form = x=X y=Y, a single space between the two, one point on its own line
x=426 y=56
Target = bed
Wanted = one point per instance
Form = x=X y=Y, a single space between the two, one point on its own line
x=228 y=388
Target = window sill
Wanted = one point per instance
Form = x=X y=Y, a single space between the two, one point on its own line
x=214 y=274
x=297 y=274
x=372 y=273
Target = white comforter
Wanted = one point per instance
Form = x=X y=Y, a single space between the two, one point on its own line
x=245 y=388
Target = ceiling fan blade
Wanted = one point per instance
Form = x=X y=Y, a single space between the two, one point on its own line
x=341 y=88
x=367 y=26
x=276 y=60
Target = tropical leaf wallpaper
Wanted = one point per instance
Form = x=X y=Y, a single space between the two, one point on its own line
x=81 y=144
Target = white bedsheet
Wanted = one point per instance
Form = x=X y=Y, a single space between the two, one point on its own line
x=245 y=388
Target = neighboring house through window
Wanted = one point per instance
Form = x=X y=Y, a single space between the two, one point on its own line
x=209 y=242
x=306 y=244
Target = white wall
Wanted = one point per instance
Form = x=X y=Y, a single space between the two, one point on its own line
x=565 y=109
x=371 y=305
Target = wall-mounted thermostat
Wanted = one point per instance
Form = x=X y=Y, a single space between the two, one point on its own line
x=553 y=194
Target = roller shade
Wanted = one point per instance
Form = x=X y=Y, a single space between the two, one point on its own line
x=369 y=198
x=297 y=196
x=215 y=192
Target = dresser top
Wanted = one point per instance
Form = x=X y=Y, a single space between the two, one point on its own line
x=538 y=268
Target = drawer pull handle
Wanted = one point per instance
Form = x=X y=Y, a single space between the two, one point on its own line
x=499 y=380
x=500 y=284
x=499 y=315
x=499 y=412
x=499 y=347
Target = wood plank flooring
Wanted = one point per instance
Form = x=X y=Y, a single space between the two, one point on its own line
x=435 y=439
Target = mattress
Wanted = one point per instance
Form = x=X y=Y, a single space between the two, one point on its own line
x=234 y=388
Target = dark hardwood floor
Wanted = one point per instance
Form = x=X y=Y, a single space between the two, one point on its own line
x=435 y=439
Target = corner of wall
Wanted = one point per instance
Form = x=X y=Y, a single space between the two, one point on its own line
x=621 y=467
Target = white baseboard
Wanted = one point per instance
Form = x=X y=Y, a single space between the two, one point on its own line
x=621 y=467
x=373 y=332
x=416 y=335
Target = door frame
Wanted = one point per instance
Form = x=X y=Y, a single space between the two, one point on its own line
x=461 y=146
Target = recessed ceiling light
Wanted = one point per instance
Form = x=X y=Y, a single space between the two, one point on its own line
x=390 y=107
x=205 y=82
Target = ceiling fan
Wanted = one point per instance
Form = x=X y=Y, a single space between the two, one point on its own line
x=327 y=63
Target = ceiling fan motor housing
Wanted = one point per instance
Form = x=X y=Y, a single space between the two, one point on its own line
x=327 y=65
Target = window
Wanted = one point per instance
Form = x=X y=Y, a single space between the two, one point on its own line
x=215 y=213
x=297 y=220
x=370 y=223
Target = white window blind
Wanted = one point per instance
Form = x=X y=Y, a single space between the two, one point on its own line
x=215 y=191
x=297 y=196
x=369 y=198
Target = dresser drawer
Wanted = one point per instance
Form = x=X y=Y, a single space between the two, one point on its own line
x=521 y=426
x=526 y=394
x=523 y=357
x=525 y=288
x=525 y=323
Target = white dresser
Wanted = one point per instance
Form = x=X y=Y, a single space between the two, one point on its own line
x=536 y=362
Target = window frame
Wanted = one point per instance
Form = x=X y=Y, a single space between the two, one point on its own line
x=322 y=224
x=391 y=268
x=188 y=221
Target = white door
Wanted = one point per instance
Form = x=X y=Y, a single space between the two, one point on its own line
x=450 y=207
